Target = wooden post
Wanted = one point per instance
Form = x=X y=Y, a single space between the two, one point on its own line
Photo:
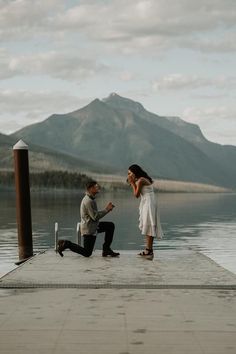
x=56 y=236
x=23 y=207
x=78 y=233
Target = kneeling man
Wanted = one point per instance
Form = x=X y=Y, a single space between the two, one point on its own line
x=90 y=226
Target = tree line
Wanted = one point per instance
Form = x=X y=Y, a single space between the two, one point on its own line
x=48 y=179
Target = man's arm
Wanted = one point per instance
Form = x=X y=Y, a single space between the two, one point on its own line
x=95 y=214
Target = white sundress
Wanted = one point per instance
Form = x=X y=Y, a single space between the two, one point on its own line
x=149 y=218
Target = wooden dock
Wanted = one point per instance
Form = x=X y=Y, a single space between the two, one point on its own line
x=179 y=302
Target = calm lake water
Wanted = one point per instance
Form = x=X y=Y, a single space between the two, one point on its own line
x=203 y=222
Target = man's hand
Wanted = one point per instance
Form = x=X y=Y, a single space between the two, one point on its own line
x=110 y=206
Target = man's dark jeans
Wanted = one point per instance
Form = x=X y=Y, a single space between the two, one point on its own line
x=89 y=240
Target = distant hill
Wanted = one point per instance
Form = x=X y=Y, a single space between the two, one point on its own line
x=117 y=132
x=45 y=159
x=6 y=144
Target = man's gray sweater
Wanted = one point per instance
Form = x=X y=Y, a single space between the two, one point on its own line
x=90 y=215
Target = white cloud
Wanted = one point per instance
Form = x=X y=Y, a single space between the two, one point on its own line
x=159 y=23
x=25 y=18
x=29 y=107
x=186 y=82
x=193 y=114
x=55 y=64
x=217 y=123
x=127 y=76
x=224 y=42
x=5 y=71
x=126 y=24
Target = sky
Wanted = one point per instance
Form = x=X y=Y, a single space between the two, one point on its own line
x=175 y=57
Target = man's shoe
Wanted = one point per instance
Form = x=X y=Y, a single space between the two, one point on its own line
x=61 y=247
x=110 y=253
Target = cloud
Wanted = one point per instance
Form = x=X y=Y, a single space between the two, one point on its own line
x=149 y=17
x=127 y=76
x=154 y=24
x=210 y=114
x=54 y=64
x=224 y=42
x=25 y=18
x=5 y=71
x=217 y=123
x=185 y=82
x=127 y=25
x=29 y=107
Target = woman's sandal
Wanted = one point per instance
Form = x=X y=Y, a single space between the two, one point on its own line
x=146 y=253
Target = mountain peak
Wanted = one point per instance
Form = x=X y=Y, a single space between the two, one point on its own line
x=118 y=102
x=96 y=101
x=113 y=94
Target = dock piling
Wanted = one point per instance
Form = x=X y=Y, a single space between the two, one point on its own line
x=23 y=206
x=56 y=235
x=78 y=233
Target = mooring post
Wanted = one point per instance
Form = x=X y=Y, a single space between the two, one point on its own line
x=23 y=207
x=56 y=236
x=78 y=233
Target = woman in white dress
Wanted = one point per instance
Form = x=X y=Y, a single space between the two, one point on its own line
x=149 y=220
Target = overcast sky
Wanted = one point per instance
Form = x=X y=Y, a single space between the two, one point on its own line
x=176 y=57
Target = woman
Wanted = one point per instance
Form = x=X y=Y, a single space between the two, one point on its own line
x=149 y=221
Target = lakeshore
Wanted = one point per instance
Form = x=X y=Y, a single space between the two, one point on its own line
x=65 y=181
x=162 y=185
x=180 y=302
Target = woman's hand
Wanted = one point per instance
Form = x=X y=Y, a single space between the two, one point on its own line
x=131 y=179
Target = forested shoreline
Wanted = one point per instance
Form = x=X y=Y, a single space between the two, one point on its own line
x=47 y=179
x=64 y=180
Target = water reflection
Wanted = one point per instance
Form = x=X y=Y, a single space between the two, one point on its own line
x=204 y=222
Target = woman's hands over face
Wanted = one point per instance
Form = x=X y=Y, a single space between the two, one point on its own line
x=131 y=177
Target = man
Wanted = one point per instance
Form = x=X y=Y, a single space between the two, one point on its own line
x=90 y=226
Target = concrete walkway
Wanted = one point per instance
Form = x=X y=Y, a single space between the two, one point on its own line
x=181 y=302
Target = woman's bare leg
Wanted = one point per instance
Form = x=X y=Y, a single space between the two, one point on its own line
x=148 y=252
x=149 y=242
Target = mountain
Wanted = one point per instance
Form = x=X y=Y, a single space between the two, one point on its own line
x=223 y=155
x=118 y=132
x=6 y=144
x=44 y=159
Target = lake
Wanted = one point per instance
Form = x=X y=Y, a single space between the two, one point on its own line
x=202 y=222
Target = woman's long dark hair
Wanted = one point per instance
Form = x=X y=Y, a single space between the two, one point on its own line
x=139 y=172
